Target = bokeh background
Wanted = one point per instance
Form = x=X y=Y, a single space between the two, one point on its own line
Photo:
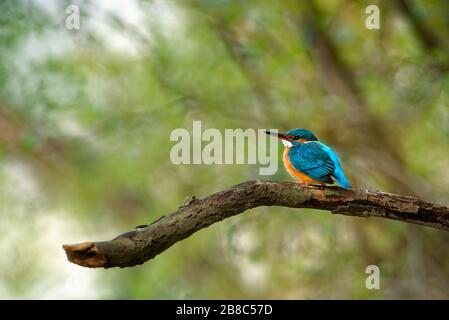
x=85 y=119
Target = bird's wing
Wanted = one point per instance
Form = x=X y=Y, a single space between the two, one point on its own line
x=338 y=173
x=311 y=159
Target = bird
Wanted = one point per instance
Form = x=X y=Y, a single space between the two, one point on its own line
x=308 y=160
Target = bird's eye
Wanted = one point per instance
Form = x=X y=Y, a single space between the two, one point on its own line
x=296 y=138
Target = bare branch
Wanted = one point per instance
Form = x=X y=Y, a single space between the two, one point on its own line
x=142 y=244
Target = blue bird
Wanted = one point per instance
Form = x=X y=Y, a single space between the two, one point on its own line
x=310 y=161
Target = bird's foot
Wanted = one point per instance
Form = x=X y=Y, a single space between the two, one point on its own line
x=316 y=185
x=311 y=185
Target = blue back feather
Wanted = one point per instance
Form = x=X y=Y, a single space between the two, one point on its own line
x=318 y=161
x=338 y=173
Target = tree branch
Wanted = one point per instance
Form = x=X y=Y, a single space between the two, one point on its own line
x=144 y=243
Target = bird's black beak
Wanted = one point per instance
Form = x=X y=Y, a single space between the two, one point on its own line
x=279 y=135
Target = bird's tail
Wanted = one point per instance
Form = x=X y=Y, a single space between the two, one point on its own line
x=338 y=173
x=340 y=177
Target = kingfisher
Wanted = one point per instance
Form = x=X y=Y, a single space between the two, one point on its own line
x=310 y=161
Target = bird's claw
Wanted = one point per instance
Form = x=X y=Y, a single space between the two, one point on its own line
x=316 y=185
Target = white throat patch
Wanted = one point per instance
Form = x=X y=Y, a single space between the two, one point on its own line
x=287 y=143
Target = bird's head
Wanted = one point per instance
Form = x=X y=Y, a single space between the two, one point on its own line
x=294 y=136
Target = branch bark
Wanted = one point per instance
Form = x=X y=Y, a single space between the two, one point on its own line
x=144 y=243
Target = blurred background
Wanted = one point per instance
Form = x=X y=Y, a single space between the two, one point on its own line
x=85 y=119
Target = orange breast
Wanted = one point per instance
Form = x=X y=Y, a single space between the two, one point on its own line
x=302 y=177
